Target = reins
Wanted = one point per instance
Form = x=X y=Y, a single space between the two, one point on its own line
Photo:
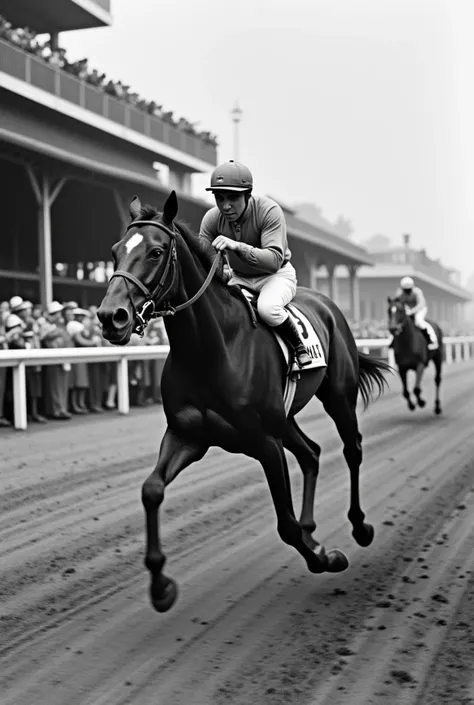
x=145 y=315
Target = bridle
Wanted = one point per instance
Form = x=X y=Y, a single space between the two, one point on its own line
x=400 y=326
x=149 y=307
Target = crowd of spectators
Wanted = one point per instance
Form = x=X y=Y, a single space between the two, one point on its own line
x=370 y=329
x=378 y=329
x=28 y=40
x=57 y=392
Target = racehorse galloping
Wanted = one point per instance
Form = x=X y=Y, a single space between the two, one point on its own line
x=410 y=348
x=223 y=380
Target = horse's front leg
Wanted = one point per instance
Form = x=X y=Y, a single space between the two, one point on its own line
x=403 y=376
x=176 y=453
x=272 y=457
x=417 y=389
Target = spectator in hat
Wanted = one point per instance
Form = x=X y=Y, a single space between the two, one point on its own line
x=3 y=370
x=31 y=337
x=54 y=335
x=14 y=302
x=79 y=378
x=98 y=371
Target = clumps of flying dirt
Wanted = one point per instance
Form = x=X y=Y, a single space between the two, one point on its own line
x=401 y=676
x=438 y=597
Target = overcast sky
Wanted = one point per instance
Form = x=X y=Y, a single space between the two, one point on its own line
x=364 y=107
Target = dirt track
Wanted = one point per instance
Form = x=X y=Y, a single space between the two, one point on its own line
x=251 y=625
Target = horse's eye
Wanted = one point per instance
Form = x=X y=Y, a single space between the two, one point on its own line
x=155 y=254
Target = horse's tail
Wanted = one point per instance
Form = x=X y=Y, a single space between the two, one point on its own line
x=371 y=377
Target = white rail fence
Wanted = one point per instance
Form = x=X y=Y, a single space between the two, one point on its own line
x=456 y=349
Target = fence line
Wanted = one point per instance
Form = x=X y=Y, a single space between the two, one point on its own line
x=456 y=349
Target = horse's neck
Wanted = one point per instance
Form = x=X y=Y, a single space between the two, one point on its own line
x=408 y=333
x=200 y=331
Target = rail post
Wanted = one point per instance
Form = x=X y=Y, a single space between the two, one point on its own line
x=122 y=386
x=449 y=353
x=19 y=397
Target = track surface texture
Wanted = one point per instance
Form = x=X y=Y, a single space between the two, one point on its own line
x=251 y=626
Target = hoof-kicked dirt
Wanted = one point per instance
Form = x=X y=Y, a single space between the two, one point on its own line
x=251 y=626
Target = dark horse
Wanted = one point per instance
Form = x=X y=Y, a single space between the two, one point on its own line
x=223 y=380
x=411 y=351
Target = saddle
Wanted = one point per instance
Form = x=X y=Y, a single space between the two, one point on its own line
x=308 y=335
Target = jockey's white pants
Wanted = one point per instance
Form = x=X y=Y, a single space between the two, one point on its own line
x=419 y=317
x=274 y=292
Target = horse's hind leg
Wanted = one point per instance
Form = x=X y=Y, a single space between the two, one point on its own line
x=175 y=455
x=271 y=454
x=438 y=363
x=343 y=412
x=307 y=453
x=417 y=389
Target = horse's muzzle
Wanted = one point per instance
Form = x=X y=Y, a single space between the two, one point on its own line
x=116 y=324
x=395 y=330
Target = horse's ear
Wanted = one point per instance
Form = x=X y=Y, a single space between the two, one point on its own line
x=135 y=207
x=389 y=299
x=170 y=209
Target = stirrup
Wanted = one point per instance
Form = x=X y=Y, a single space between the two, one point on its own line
x=301 y=353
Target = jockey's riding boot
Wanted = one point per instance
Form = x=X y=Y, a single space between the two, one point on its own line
x=290 y=335
x=432 y=342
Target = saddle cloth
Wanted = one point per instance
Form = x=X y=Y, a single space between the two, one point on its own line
x=310 y=340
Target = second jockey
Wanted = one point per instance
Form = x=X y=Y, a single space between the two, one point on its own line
x=252 y=230
x=413 y=298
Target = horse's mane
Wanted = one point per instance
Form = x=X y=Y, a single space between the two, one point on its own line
x=200 y=247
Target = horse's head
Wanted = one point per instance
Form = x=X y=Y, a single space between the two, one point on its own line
x=145 y=271
x=397 y=316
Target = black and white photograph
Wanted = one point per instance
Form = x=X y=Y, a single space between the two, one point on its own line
x=236 y=352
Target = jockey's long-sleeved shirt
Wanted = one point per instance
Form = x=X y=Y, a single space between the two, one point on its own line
x=415 y=299
x=262 y=232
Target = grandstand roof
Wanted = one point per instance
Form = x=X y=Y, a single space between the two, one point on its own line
x=397 y=271
x=50 y=16
x=341 y=246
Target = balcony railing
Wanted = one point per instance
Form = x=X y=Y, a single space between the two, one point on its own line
x=38 y=73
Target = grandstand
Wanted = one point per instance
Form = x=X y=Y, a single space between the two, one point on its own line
x=77 y=147
x=446 y=297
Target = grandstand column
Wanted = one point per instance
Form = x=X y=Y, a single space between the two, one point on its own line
x=313 y=276
x=332 y=282
x=46 y=193
x=54 y=40
x=354 y=293
x=122 y=210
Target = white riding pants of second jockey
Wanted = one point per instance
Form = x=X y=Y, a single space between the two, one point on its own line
x=419 y=318
x=274 y=292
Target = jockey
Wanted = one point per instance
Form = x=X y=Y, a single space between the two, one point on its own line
x=252 y=229
x=414 y=300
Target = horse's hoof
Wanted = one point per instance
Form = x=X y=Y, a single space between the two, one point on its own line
x=364 y=535
x=318 y=563
x=337 y=561
x=167 y=597
x=412 y=407
x=421 y=403
x=437 y=411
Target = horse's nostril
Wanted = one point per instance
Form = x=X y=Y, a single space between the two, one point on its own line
x=120 y=317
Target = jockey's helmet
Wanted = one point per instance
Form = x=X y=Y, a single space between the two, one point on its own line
x=407 y=283
x=231 y=176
